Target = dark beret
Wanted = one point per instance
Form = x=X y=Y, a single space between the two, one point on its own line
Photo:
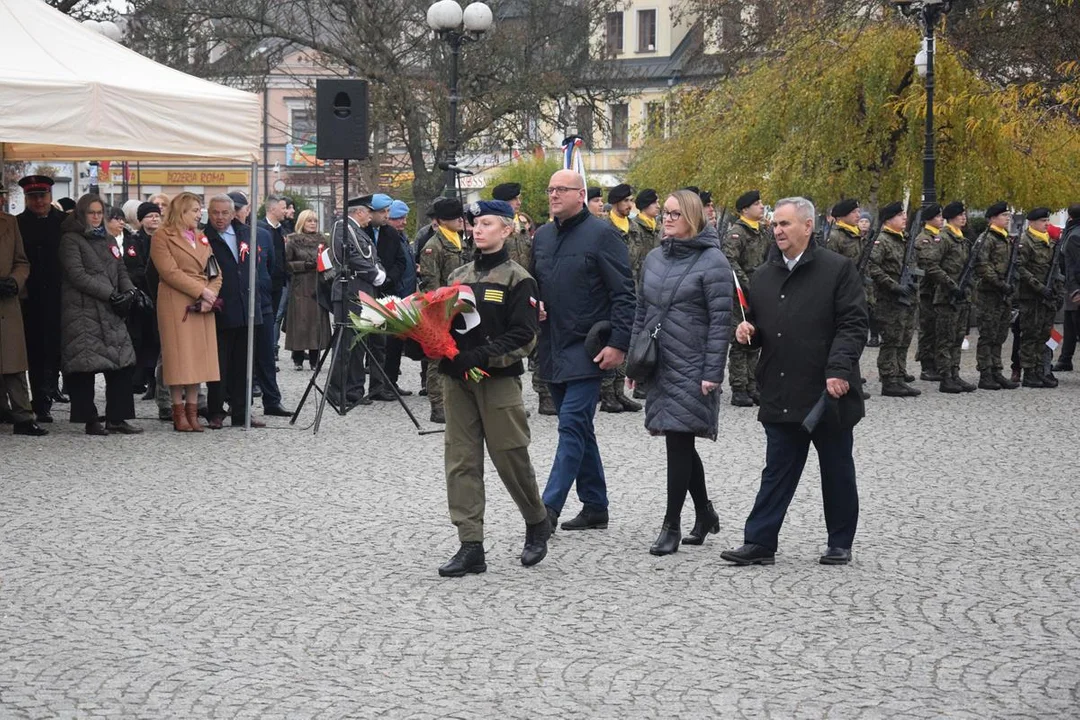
x=706 y=197
x=953 y=209
x=489 y=207
x=1040 y=213
x=746 y=200
x=845 y=207
x=67 y=204
x=996 y=209
x=890 y=211
x=147 y=208
x=595 y=192
x=694 y=189
x=448 y=209
x=619 y=193
x=506 y=191
x=645 y=198
x=361 y=201
x=931 y=211
x=1074 y=212
x=597 y=338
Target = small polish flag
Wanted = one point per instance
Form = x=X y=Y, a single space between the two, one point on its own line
x=743 y=305
x=325 y=262
x=1055 y=339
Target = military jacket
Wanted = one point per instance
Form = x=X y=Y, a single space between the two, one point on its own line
x=993 y=261
x=439 y=259
x=1032 y=267
x=745 y=249
x=887 y=262
x=635 y=244
x=506 y=299
x=950 y=264
x=649 y=239
x=928 y=257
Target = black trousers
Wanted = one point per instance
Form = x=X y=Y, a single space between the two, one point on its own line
x=357 y=367
x=684 y=473
x=392 y=365
x=312 y=356
x=232 y=349
x=1068 y=341
x=119 y=402
x=787 y=446
x=43 y=358
x=265 y=364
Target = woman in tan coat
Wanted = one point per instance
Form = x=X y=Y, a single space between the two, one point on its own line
x=189 y=356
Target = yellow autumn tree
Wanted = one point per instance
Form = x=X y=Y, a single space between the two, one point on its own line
x=843 y=116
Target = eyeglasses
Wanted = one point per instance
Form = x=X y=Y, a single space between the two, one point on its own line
x=673 y=216
x=560 y=190
x=95 y=212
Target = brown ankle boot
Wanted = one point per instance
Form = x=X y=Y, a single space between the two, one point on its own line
x=179 y=418
x=192 y=412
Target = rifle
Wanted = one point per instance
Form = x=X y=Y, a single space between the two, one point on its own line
x=1054 y=274
x=909 y=271
x=867 y=248
x=968 y=270
x=1016 y=228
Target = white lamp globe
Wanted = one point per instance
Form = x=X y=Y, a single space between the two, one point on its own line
x=111 y=30
x=92 y=25
x=478 y=17
x=444 y=15
x=921 y=60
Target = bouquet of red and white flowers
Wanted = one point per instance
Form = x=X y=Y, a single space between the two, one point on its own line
x=425 y=317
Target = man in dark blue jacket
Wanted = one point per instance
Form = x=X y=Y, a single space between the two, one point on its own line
x=582 y=267
x=230 y=240
x=265 y=337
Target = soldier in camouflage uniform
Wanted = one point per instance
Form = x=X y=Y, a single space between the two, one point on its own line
x=649 y=230
x=897 y=318
x=491 y=410
x=444 y=253
x=846 y=238
x=994 y=299
x=613 y=389
x=1038 y=303
x=951 y=308
x=745 y=246
x=928 y=250
x=519 y=245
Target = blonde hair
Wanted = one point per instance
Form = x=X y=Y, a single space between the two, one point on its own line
x=164 y=199
x=177 y=207
x=691 y=208
x=303 y=217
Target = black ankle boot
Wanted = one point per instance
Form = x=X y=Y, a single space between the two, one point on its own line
x=707 y=522
x=668 y=541
x=469 y=559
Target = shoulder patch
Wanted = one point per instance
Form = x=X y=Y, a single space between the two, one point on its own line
x=428 y=251
x=734 y=236
x=492 y=295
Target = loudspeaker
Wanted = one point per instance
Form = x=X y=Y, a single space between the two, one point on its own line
x=341 y=119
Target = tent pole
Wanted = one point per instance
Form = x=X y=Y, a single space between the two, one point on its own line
x=253 y=282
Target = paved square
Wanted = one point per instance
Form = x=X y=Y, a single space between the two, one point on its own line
x=277 y=575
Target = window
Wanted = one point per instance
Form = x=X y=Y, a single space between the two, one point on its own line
x=646 y=31
x=613 y=33
x=301 y=126
x=620 y=125
x=654 y=119
x=584 y=121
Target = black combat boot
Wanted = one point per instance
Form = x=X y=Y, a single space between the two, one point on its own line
x=609 y=403
x=639 y=392
x=964 y=384
x=1004 y=382
x=755 y=395
x=668 y=541
x=588 y=519
x=949 y=384
x=908 y=377
x=741 y=398
x=536 y=538
x=438 y=416
x=1033 y=379
x=929 y=373
x=874 y=341
x=707 y=522
x=1063 y=365
x=911 y=391
x=1049 y=380
x=891 y=387
x=553 y=520
x=547 y=406
x=987 y=381
x=620 y=395
x=469 y=559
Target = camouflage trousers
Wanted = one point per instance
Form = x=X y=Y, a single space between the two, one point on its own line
x=924 y=353
x=614 y=385
x=950 y=326
x=995 y=316
x=897 y=324
x=742 y=365
x=1036 y=321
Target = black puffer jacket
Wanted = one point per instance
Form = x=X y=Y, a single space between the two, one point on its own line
x=93 y=337
x=694 y=335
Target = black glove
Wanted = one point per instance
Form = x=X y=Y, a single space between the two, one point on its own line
x=900 y=291
x=956 y=295
x=1048 y=293
x=142 y=302
x=9 y=287
x=121 y=302
x=311 y=264
x=461 y=364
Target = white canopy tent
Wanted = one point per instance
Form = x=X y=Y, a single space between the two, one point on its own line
x=69 y=93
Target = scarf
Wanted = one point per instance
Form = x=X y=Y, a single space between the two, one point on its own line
x=850 y=228
x=932 y=230
x=451 y=235
x=1044 y=237
x=752 y=224
x=897 y=233
x=647 y=221
x=620 y=222
x=1000 y=231
x=955 y=230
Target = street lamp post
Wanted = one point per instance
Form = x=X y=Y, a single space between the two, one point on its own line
x=928 y=13
x=456 y=27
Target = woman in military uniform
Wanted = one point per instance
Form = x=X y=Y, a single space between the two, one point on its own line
x=491 y=410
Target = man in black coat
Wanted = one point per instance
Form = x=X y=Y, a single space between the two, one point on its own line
x=808 y=315
x=273 y=223
x=230 y=240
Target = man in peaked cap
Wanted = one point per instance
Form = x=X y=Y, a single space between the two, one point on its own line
x=1039 y=299
x=612 y=391
x=745 y=246
x=952 y=304
x=896 y=305
x=928 y=252
x=993 y=298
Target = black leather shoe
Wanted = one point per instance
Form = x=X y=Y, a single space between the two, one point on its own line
x=536 y=537
x=553 y=520
x=874 y=341
x=706 y=522
x=151 y=393
x=60 y=397
x=96 y=428
x=256 y=392
x=1063 y=366
x=29 y=427
x=588 y=520
x=123 y=428
x=628 y=404
x=401 y=392
x=741 y=398
x=277 y=411
x=423 y=392
x=46 y=417
x=668 y=540
x=469 y=559
x=750 y=554
x=836 y=556
x=383 y=396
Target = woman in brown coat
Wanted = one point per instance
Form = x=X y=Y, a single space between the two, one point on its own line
x=307 y=326
x=185 y=301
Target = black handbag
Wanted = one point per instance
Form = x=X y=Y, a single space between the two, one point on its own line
x=644 y=353
x=213 y=269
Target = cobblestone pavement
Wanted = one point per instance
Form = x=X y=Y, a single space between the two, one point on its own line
x=275 y=575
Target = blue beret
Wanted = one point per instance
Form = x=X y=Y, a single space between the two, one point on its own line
x=379 y=201
x=398 y=210
x=491 y=207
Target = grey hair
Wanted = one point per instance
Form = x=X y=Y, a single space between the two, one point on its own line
x=274 y=199
x=804 y=209
x=221 y=197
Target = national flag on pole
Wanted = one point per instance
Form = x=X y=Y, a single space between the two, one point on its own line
x=324 y=261
x=1055 y=339
x=743 y=305
x=573 y=156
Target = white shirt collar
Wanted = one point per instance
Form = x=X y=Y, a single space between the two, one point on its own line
x=793 y=261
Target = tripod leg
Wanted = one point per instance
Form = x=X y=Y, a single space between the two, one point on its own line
x=378 y=366
x=312 y=383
